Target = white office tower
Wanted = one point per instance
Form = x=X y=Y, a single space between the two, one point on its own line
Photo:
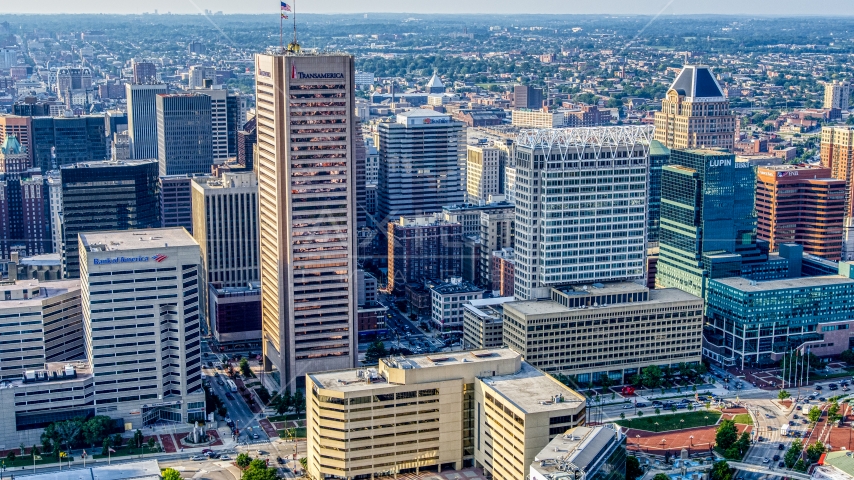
x=580 y=206
x=141 y=324
x=307 y=213
x=142 y=118
x=54 y=188
x=219 y=122
x=482 y=173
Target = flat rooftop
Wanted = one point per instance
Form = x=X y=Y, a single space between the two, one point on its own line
x=46 y=291
x=532 y=391
x=81 y=368
x=350 y=380
x=751 y=286
x=108 y=163
x=580 y=446
x=144 y=470
x=546 y=307
x=602 y=288
x=128 y=240
x=488 y=307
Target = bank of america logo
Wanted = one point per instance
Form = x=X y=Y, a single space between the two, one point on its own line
x=159 y=258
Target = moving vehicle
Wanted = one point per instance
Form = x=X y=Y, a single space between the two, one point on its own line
x=230 y=385
x=784 y=430
x=198 y=458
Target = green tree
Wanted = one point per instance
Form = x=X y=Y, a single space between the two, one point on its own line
x=660 y=476
x=782 y=395
x=96 y=428
x=117 y=440
x=622 y=416
x=298 y=402
x=633 y=468
x=651 y=376
x=170 y=474
x=814 y=452
x=793 y=454
x=657 y=411
x=376 y=351
x=727 y=434
x=137 y=439
x=11 y=456
x=151 y=443
x=68 y=432
x=108 y=442
x=800 y=466
x=814 y=414
x=720 y=471
x=640 y=413
x=282 y=403
x=244 y=368
x=258 y=471
x=243 y=460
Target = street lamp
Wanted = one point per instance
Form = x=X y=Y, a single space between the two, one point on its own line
x=656 y=426
x=691 y=439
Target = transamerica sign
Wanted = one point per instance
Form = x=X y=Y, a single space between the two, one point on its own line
x=303 y=75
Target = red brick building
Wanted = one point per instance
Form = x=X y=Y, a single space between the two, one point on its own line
x=503 y=272
x=801 y=204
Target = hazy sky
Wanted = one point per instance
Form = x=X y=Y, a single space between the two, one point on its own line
x=646 y=7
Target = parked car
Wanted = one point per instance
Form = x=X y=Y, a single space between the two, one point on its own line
x=627 y=406
x=255 y=436
x=641 y=405
x=224 y=457
x=776 y=457
x=819 y=387
x=198 y=458
x=781 y=447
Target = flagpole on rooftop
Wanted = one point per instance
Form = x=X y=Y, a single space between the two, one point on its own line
x=281 y=32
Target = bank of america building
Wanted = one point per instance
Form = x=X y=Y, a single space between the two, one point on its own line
x=581 y=196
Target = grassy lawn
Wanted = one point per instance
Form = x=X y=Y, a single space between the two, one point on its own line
x=285 y=418
x=743 y=419
x=300 y=432
x=125 y=452
x=672 y=422
x=27 y=461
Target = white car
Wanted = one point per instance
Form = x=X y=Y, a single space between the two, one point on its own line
x=224 y=457
x=765 y=460
x=627 y=406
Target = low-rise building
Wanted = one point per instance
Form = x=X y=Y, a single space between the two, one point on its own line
x=482 y=321
x=582 y=453
x=756 y=323
x=613 y=329
x=536 y=119
x=503 y=269
x=234 y=314
x=483 y=408
x=447 y=300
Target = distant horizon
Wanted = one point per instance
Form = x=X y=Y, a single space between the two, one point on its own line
x=765 y=8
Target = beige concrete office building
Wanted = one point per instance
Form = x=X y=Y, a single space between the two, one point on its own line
x=482 y=322
x=225 y=224
x=307 y=213
x=482 y=173
x=140 y=295
x=614 y=329
x=427 y=413
x=39 y=322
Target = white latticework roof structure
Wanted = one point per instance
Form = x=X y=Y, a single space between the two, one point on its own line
x=576 y=140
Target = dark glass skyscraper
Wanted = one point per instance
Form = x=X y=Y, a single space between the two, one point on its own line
x=184 y=134
x=659 y=156
x=708 y=221
x=71 y=140
x=102 y=196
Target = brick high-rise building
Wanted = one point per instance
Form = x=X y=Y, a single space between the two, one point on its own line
x=144 y=72
x=421 y=248
x=695 y=113
x=837 y=150
x=307 y=213
x=800 y=204
x=21 y=127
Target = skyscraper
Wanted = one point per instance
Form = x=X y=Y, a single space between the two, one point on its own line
x=708 y=224
x=246 y=140
x=142 y=118
x=156 y=371
x=483 y=168
x=176 y=201
x=801 y=204
x=837 y=154
x=20 y=127
x=580 y=207
x=184 y=133
x=144 y=72
x=695 y=113
x=307 y=213
x=24 y=222
x=225 y=223
x=66 y=140
x=420 y=164
x=526 y=96
x=99 y=196
x=219 y=122
x=659 y=156
x=836 y=94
